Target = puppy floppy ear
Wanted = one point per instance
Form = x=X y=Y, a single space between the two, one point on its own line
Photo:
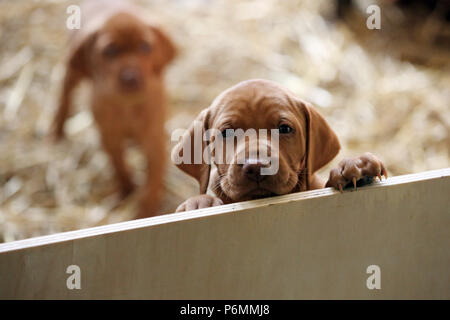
x=322 y=144
x=166 y=50
x=80 y=52
x=188 y=153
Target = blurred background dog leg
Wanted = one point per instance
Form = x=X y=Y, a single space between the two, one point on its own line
x=153 y=189
x=114 y=146
x=71 y=81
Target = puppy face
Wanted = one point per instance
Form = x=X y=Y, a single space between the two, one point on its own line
x=123 y=54
x=264 y=107
x=254 y=111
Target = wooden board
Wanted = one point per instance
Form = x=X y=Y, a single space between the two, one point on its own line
x=311 y=245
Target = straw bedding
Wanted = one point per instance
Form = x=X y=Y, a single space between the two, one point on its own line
x=384 y=91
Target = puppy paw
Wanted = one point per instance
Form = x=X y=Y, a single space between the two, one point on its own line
x=199 y=202
x=360 y=170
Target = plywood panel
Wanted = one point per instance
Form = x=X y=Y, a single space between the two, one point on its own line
x=310 y=245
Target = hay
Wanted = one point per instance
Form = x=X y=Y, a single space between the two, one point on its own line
x=359 y=79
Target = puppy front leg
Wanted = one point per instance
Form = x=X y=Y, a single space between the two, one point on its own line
x=71 y=79
x=113 y=145
x=153 y=189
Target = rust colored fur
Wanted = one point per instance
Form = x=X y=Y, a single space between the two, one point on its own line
x=124 y=58
x=310 y=145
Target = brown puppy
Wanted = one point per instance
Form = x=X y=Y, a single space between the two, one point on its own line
x=305 y=144
x=124 y=58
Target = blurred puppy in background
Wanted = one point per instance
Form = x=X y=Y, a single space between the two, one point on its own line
x=124 y=57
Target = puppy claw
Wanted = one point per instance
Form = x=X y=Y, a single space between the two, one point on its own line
x=352 y=169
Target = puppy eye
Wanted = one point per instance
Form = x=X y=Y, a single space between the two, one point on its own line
x=284 y=129
x=111 y=51
x=226 y=133
x=146 y=47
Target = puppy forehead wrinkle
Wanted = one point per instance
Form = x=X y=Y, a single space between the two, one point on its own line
x=267 y=111
x=267 y=100
x=226 y=111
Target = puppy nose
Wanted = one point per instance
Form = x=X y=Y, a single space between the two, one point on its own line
x=129 y=77
x=252 y=170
